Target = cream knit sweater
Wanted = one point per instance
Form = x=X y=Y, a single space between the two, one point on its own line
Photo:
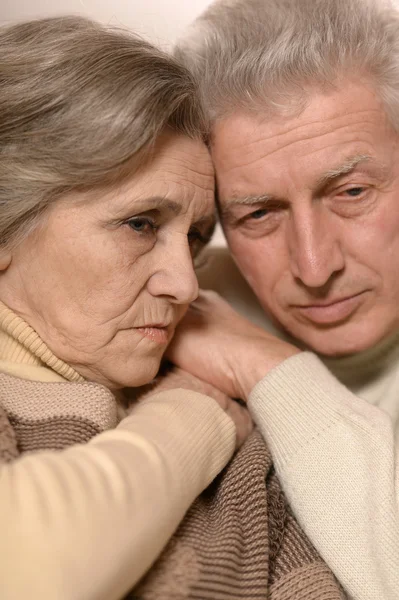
x=334 y=434
x=133 y=485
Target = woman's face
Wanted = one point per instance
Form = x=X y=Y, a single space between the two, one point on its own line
x=105 y=279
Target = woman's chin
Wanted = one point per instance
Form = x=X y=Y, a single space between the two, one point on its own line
x=139 y=374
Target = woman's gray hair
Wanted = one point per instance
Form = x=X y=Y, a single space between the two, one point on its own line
x=264 y=54
x=80 y=107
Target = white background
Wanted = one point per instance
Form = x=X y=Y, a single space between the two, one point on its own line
x=159 y=20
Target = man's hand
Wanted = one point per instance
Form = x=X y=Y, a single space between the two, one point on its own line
x=177 y=378
x=218 y=345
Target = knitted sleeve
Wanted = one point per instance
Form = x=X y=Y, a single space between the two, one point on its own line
x=87 y=522
x=337 y=458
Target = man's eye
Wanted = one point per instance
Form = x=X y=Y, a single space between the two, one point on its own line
x=141 y=224
x=356 y=191
x=258 y=214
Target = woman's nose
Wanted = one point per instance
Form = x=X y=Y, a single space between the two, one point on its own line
x=175 y=278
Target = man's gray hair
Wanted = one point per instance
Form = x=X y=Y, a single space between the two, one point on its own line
x=265 y=54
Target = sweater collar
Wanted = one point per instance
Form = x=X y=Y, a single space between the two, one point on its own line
x=378 y=359
x=20 y=343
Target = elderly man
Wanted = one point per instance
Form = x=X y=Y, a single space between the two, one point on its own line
x=303 y=101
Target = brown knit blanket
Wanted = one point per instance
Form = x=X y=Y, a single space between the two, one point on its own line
x=239 y=540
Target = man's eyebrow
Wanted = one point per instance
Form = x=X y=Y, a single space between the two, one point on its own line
x=246 y=201
x=346 y=167
x=349 y=164
x=250 y=200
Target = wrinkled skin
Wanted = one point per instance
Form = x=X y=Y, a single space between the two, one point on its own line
x=213 y=326
x=103 y=265
x=310 y=209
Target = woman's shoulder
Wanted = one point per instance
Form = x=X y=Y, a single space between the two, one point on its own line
x=53 y=415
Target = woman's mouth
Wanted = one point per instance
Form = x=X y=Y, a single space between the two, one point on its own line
x=156 y=333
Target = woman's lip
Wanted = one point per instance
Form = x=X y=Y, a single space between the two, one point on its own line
x=155 y=333
x=331 y=313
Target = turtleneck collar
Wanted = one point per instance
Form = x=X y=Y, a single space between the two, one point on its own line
x=19 y=343
x=375 y=360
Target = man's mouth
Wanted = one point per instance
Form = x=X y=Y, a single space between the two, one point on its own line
x=329 y=312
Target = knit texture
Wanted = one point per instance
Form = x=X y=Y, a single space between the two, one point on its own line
x=22 y=345
x=239 y=538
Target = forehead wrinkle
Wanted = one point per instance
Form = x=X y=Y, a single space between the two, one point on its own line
x=325 y=124
x=188 y=181
x=151 y=202
x=319 y=135
x=289 y=126
x=302 y=137
x=201 y=169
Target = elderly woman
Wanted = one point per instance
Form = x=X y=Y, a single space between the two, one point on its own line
x=106 y=193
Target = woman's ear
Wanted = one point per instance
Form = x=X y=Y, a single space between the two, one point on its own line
x=5 y=259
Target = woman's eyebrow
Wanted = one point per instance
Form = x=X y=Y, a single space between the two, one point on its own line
x=161 y=202
x=124 y=207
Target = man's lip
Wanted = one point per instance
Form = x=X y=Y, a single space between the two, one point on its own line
x=330 y=312
x=328 y=302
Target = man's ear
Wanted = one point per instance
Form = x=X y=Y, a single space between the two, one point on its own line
x=5 y=258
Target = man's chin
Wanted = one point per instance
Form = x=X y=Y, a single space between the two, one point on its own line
x=339 y=344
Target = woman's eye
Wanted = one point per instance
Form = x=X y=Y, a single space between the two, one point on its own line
x=141 y=225
x=196 y=240
x=194 y=235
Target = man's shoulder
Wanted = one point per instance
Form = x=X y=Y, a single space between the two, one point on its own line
x=217 y=271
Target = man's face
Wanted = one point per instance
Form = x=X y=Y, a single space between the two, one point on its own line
x=310 y=209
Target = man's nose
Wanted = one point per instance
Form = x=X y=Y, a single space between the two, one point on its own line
x=315 y=249
x=174 y=276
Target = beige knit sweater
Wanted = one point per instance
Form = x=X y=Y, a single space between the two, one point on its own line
x=139 y=476
x=86 y=522
x=333 y=430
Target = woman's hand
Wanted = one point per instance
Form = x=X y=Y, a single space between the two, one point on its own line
x=217 y=344
x=178 y=378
